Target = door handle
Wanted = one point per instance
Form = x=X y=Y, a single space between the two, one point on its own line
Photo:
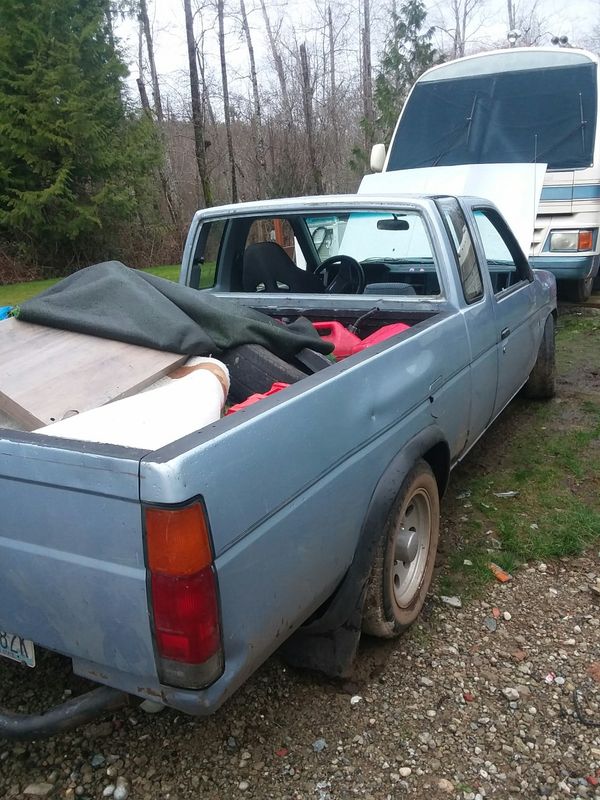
x=505 y=333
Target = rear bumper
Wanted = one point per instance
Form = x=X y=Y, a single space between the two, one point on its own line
x=567 y=268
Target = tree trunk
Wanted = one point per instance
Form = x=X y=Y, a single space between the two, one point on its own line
x=207 y=105
x=226 y=110
x=367 y=78
x=307 y=95
x=257 y=116
x=197 y=118
x=278 y=64
x=144 y=97
x=151 y=61
x=332 y=86
x=512 y=17
x=165 y=171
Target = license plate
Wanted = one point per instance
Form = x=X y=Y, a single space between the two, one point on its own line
x=16 y=648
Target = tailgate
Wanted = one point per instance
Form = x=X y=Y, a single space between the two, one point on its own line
x=72 y=574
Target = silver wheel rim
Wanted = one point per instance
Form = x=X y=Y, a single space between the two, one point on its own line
x=411 y=548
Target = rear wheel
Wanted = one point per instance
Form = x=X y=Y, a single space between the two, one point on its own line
x=405 y=556
x=541 y=384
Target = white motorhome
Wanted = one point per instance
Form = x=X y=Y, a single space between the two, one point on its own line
x=522 y=105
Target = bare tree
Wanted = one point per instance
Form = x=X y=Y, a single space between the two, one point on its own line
x=367 y=73
x=257 y=113
x=197 y=116
x=158 y=110
x=226 y=109
x=140 y=79
x=307 y=101
x=206 y=103
x=466 y=21
x=332 y=84
x=278 y=61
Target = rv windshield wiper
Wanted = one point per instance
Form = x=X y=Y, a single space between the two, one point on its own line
x=469 y=123
x=583 y=122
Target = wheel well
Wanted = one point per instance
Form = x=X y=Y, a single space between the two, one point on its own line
x=438 y=458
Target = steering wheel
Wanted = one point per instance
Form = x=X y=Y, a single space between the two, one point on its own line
x=345 y=275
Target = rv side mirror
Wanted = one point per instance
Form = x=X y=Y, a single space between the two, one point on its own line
x=377 y=157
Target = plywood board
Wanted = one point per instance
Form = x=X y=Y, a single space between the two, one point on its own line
x=45 y=373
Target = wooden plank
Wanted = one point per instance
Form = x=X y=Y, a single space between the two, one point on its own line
x=46 y=373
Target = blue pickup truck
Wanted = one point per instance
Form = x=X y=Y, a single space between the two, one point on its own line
x=300 y=521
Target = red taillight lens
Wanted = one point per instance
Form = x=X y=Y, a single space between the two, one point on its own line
x=184 y=596
x=186 y=616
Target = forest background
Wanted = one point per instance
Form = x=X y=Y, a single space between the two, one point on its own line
x=120 y=118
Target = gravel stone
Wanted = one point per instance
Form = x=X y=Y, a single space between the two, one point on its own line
x=121 y=791
x=38 y=789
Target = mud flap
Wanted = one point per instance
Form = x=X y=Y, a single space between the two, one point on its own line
x=331 y=652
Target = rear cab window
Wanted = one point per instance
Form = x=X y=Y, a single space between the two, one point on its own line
x=262 y=253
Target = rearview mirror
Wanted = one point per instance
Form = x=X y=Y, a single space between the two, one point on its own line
x=393 y=224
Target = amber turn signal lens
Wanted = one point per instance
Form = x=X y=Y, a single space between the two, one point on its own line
x=178 y=540
x=585 y=240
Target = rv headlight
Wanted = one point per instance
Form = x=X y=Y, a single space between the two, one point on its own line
x=564 y=240
x=574 y=241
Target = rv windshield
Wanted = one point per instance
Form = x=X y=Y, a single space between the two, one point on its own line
x=519 y=116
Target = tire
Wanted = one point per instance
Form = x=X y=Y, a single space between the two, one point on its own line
x=253 y=368
x=397 y=589
x=577 y=291
x=541 y=384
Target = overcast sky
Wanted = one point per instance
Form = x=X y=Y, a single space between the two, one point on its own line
x=575 y=19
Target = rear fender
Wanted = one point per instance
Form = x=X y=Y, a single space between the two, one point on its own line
x=329 y=642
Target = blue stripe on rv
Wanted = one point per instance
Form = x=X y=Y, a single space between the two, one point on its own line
x=588 y=191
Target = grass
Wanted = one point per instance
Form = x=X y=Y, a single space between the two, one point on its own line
x=552 y=459
x=15 y=293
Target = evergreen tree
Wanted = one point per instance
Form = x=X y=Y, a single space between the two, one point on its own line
x=73 y=157
x=407 y=53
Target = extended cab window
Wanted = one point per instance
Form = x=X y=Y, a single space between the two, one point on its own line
x=464 y=250
x=204 y=263
x=506 y=263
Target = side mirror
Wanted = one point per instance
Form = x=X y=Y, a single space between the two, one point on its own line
x=377 y=157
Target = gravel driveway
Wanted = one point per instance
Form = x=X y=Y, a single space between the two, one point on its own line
x=452 y=710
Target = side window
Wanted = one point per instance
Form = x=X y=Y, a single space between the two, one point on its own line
x=273 y=230
x=204 y=266
x=466 y=258
x=506 y=263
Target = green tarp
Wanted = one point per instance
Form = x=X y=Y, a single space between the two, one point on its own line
x=115 y=302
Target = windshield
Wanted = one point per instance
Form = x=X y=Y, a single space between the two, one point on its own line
x=371 y=236
x=521 y=116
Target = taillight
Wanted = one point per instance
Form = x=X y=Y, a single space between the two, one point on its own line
x=184 y=596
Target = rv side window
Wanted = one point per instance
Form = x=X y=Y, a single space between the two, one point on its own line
x=464 y=250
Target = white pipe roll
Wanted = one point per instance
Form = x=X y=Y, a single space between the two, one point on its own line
x=183 y=402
